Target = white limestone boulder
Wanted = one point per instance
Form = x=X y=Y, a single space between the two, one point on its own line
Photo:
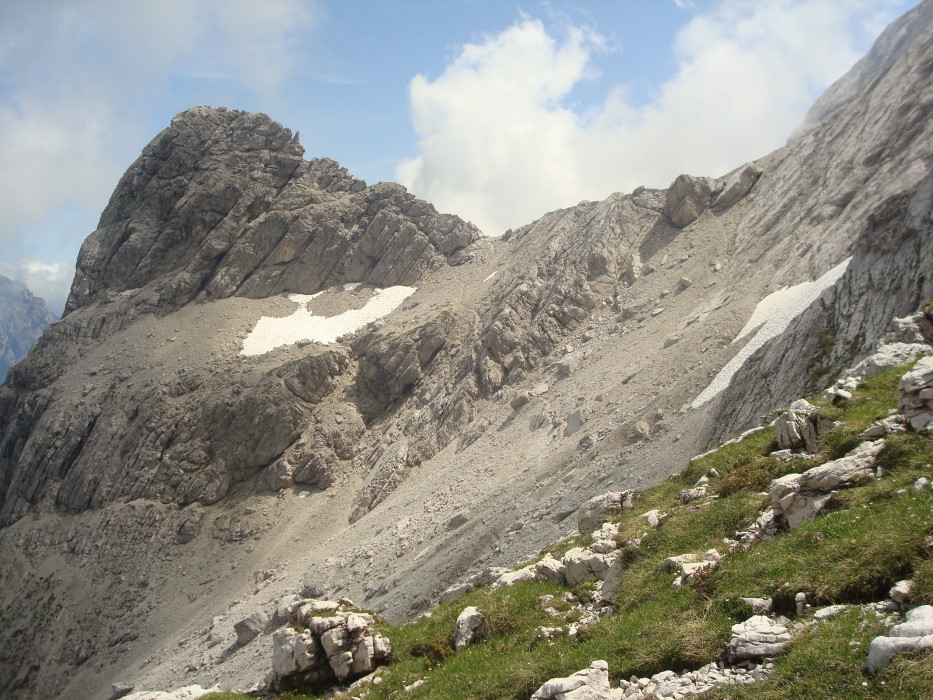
x=585 y=565
x=468 y=622
x=758 y=636
x=589 y=684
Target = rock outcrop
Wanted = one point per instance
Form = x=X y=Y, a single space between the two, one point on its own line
x=917 y=394
x=335 y=644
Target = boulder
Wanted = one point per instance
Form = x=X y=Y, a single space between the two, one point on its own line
x=893 y=425
x=800 y=427
x=550 y=569
x=468 y=622
x=756 y=637
x=917 y=394
x=594 y=511
x=653 y=518
x=900 y=592
x=585 y=565
x=342 y=645
x=852 y=468
x=736 y=186
x=687 y=198
x=915 y=633
x=883 y=649
x=250 y=627
x=510 y=578
x=888 y=356
x=604 y=539
x=693 y=494
x=760 y=606
x=919 y=623
x=589 y=684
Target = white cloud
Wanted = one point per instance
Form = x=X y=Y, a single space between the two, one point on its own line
x=51 y=282
x=81 y=84
x=499 y=145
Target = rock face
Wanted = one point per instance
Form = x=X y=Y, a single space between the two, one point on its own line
x=219 y=204
x=23 y=317
x=137 y=443
x=222 y=203
x=892 y=43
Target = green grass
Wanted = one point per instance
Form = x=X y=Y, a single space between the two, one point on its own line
x=873 y=535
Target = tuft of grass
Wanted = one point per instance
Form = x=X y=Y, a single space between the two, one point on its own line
x=870 y=402
x=922 y=590
x=846 y=556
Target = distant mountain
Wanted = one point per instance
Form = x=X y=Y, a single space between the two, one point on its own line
x=23 y=317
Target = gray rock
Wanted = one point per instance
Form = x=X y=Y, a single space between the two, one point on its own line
x=118 y=690
x=589 y=684
x=758 y=636
x=585 y=565
x=520 y=399
x=688 y=495
x=736 y=186
x=468 y=622
x=883 y=649
x=760 y=606
x=687 y=198
x=900 y=592
x=800 y=427
x=799 y=498
x=592 y=513
x=250 y=627
x=919 y=623
x=653 y=518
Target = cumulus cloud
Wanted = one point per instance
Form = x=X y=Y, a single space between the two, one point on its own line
x=500 y=143
x=82 y=83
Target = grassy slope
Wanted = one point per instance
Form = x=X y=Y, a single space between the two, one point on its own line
x=872 y=537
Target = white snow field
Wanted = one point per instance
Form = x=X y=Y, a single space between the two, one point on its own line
x=271 y=332
x=771 y=317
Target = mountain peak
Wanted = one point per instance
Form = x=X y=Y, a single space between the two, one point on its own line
x=222 y=203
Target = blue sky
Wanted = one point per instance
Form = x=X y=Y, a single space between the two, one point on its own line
x=498 y=111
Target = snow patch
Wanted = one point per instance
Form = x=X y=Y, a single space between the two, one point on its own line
x=491 y=276
x=271 y=333
x=771 y=318
x=303 y=299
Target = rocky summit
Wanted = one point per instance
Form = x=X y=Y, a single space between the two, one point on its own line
x=275 y=380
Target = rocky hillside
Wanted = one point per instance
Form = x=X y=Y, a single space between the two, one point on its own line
x=817 y=587
x=23 y=317
x=159 y=482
